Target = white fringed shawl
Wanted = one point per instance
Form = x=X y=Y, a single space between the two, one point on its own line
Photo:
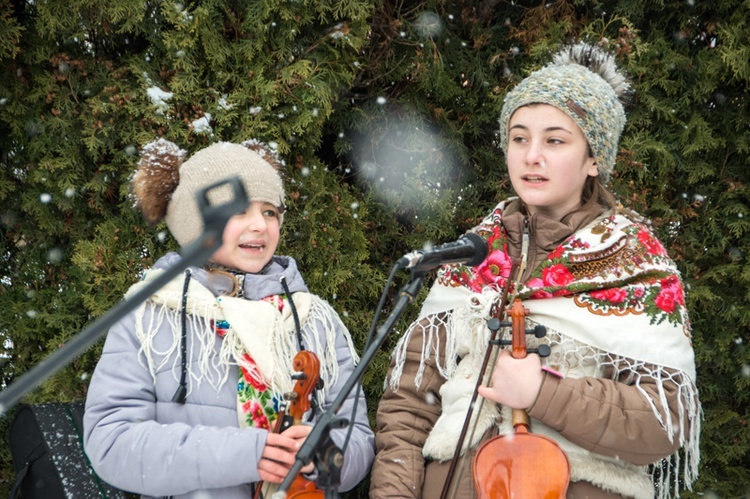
x=610 y=297
x=257 y=328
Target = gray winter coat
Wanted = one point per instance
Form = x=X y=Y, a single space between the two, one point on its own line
x=141 y=441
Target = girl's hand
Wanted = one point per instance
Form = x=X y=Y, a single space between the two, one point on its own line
x=515 y=382
x=299 y=433
x=280 y=453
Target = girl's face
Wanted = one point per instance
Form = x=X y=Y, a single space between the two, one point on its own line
x=548 y=160
x=250 y=238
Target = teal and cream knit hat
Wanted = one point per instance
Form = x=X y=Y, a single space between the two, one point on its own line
x=164 y=187
x=583 y=82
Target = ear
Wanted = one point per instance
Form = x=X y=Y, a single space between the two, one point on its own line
x=592 y=169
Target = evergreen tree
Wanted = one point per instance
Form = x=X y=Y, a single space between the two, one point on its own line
x=386 y=115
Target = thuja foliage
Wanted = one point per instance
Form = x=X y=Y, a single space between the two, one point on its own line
x=385 y=113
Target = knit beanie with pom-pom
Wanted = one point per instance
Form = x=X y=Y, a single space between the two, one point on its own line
x=584 y=82
x=164 y=185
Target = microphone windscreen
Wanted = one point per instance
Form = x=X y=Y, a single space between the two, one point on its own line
x=482 y=249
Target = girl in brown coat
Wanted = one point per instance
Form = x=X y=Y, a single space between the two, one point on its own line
x=618 y=392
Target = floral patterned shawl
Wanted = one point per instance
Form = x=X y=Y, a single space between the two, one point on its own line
x=614 y=268
x=609 y=292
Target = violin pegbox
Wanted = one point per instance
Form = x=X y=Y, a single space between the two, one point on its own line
x=518 y=313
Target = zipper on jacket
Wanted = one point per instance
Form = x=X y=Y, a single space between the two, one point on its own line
x=525 y=241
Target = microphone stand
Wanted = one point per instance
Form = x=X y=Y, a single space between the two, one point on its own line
x=328 y=457
x=214 y=220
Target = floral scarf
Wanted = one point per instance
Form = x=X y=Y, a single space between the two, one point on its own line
x=258 y=405
x=613 y=267
x=609 y=295
x=263 y=348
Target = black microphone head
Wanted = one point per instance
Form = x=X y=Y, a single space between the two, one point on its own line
x=480 y=244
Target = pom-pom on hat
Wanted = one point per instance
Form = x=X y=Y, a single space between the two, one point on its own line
x=584 y=82
x=164 y=186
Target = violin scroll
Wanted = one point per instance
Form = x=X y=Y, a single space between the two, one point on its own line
x=307 y=377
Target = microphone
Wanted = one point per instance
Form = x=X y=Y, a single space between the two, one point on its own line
x=470 y=249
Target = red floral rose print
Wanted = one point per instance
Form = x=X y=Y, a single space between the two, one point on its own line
x=496 y=234
x=579 y=244
x=670 y=295
x=556 y=253
x=259 y=417
x=612 y=295
x=494 y=269
x=536 y=283
x=253 y=379
x=275 y=300
x=557 y=275
x=653 y=246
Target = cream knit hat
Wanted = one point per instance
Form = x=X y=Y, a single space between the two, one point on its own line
x=165 y=188
x=583 y=82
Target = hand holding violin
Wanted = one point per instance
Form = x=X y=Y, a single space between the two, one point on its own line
x=280 y=453
x=514 y=382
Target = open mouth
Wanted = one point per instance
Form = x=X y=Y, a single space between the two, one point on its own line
x=534 y=179
x=253 y=246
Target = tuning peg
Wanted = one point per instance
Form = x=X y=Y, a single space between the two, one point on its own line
x=495 y=324
x=542 y=350
x=538 y=331
x=501 y=342
x=289 y=396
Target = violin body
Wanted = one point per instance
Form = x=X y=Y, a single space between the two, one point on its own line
x=304 y=489
x=521 y=465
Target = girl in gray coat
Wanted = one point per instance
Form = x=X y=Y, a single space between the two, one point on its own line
x=189 y=384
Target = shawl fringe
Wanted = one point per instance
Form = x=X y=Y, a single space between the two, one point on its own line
x=467 y=339
x=270 y=334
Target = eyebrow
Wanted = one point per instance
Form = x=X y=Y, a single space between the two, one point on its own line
x=546 y=130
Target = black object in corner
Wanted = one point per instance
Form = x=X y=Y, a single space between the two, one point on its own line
x=46 y=445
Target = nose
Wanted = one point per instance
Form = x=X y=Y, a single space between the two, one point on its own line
x=534 y=154
x=254 y=220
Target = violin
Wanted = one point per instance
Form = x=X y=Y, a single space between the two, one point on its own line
x=307 y=375
x=522 y=464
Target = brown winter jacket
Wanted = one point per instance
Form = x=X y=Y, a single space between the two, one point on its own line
x=601 y=415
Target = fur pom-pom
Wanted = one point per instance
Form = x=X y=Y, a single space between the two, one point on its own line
x=267 y=152
x=156 y=178
x=598 y=61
